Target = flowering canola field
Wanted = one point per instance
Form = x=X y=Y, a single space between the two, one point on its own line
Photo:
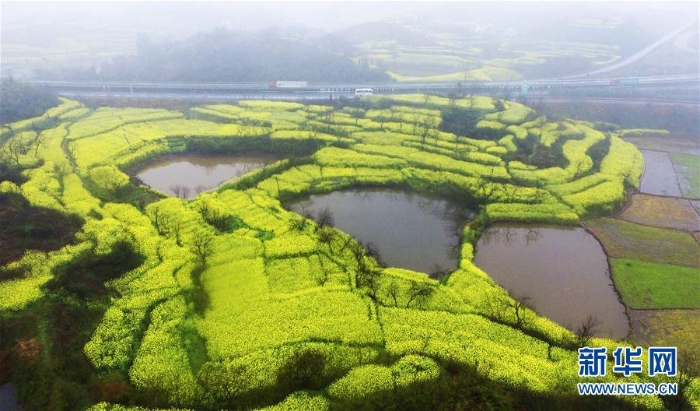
x=239 y=303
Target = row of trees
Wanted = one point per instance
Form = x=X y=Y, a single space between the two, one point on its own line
x=19 y=101
x=227 y=56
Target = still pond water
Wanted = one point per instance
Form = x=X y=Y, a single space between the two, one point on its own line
x=410 y=230
x=563 y=270
x=186 y=175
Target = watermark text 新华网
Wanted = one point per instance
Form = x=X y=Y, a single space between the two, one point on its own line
x=627 y=361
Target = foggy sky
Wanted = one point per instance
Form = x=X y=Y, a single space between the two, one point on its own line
x=182 y=17
x=99 y=30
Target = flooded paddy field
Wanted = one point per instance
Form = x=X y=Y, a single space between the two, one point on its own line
x=659 y=175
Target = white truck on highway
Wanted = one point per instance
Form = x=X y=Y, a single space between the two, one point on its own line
x=288 y=84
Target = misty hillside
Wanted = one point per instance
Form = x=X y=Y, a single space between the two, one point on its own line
x=335 y=42
x=380 y=31
x=227 y=56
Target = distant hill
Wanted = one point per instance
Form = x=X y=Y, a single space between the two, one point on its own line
x=379 y=31
x=228 y=56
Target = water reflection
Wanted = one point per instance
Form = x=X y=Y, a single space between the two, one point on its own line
x=563 y=270
x=188 y=175
x=410 y=230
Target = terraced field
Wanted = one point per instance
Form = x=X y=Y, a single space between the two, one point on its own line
x=654 y=249
x=229 y=301
x=445 y=55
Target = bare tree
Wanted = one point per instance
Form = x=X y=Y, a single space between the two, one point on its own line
x=415 y=128
x=357 y=114
x=298 y=223
x=322 y=276
x=540 y=192
x=382 y=119
x=580 y=167
x=499 y=105
x=520 y=305
x=487 y=189
x=202 y=245
x=63 y=168
x=180 y=190
x=510 y=191
x=325 y=218
x=38 y=141
x=176 y=226
x=368 y=278
x=367 y=274
x=373 y=253
x=452 y=98
x=586 y=330
x=532 y=235
x=326 y=235
x=439 y=273
x=509 y=235
x=419 y=292
x=398 y=117
x=625 y=175
x=346 y=243
x=500 y=307
x=393 y=291
x=496 y=304
x=201 y=188
x=426 y=341
x=14 y=148
x=428 y=123
x=160 y=219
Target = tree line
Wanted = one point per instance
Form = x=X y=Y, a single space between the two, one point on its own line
x=228 y=56
x=19 y=101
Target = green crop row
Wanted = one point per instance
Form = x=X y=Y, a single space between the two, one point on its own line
x=231 y=298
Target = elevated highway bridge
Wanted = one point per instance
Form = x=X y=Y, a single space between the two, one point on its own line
x=135 y=87
x=602 y=87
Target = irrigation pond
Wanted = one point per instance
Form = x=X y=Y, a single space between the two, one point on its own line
x=187 y=175
x=410 y=230
x=564 y=271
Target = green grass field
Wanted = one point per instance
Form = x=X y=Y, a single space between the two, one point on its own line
x=647 y=285
x=623 y=239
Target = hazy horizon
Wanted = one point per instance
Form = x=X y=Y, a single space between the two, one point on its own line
x=45 y=34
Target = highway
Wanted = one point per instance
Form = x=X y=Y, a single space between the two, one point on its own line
x=635 y=57
x=233 y=91
x=262 y=90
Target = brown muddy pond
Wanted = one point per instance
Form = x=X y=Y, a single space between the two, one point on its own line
x=189 y=174
x=410 y=230
x=564 y=271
